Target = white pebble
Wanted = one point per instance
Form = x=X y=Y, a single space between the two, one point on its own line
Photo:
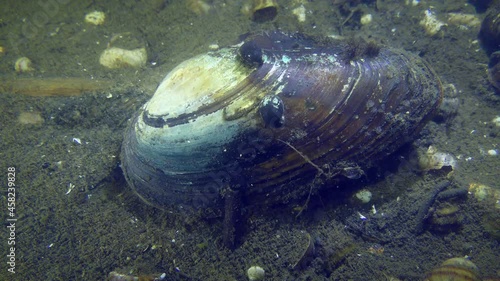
x=496 y=121
x=213 y=46
x=23 y=64
x=300 y=13
x=95 y=18
x=366 y=19
x=364 y=195
x=255 y=273
x=118 y=58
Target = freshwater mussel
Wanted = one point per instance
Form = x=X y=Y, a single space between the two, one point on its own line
x=267 y=116
x=490 y=41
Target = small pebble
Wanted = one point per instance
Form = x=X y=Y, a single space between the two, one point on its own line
x=496 y=121
x=95 y=18
x=366 y=19
x=213 y=46
x=23 y=65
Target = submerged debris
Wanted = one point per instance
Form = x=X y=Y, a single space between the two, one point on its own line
x=115 y=276
x=307 y=254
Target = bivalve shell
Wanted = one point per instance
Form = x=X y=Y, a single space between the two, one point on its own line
x=269 y=115
x=455 y=269
x=261 y=10
x=490 y=29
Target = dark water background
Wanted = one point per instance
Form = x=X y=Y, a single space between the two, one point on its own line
x=99 y=226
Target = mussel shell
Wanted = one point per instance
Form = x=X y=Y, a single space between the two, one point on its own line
x=454 y=269
x=494 y=70
x=490 y=40
x=490 y=30
x=264 y=10
x=266 y=116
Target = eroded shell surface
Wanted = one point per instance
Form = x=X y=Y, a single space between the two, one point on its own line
x=267 y=115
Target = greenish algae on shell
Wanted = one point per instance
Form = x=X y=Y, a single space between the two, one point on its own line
x=258 y=115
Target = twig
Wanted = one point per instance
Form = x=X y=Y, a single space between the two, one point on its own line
x=321 y=172
x=424 y=209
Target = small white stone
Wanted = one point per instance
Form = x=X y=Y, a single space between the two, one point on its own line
x=496 y=121
x=199 y=7
x=213 y=46
x=117 y=58
x=364 y=195
x=492 y=152
x=255 y=273
x=23 y=64
x=366 y=19
x=95 y=18
x=300 y=13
